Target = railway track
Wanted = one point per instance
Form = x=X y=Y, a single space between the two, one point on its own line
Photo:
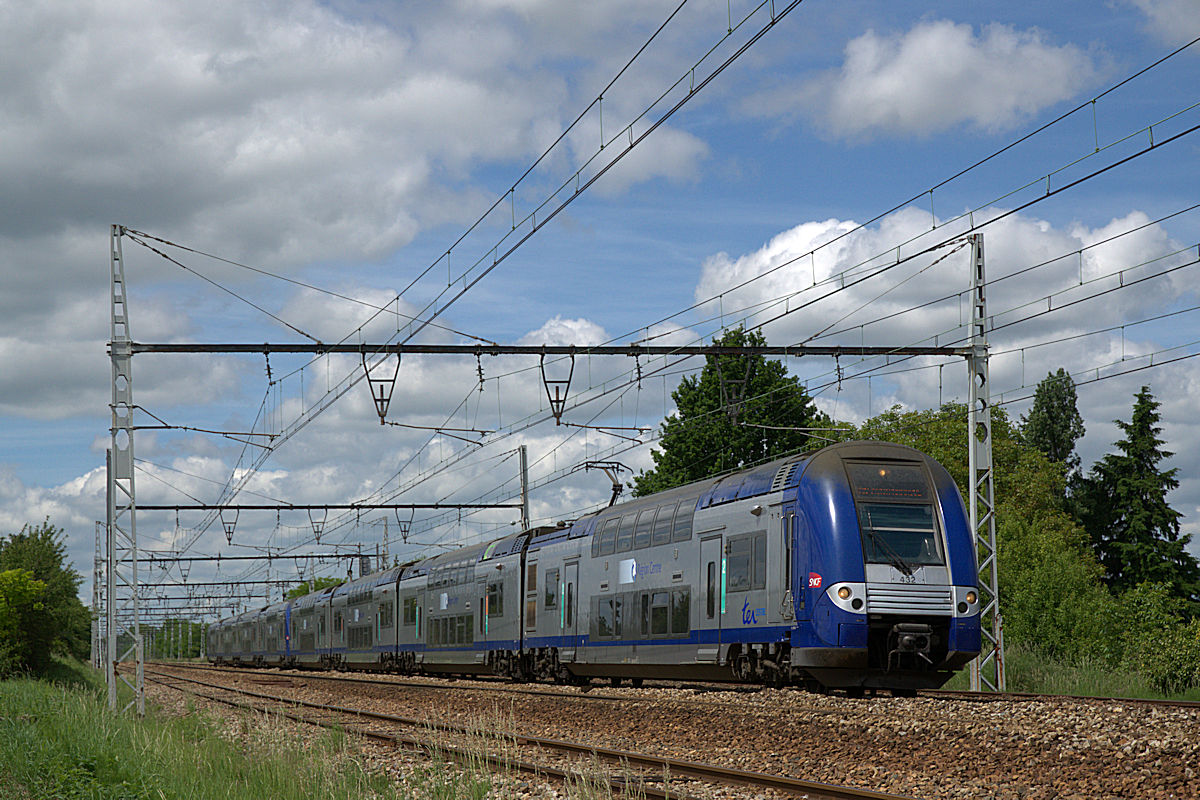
x=650 y=770
x=586 y=694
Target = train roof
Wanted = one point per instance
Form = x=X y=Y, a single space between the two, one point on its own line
x=276 y=608
x=312 y=598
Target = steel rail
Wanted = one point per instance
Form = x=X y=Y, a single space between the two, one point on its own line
x=504 y=686
x=665 y=765
x=991 y=697
x=416 y=744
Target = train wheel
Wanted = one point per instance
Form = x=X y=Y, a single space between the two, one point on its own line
x=636 y=682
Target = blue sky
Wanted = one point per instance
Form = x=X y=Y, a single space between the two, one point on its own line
x=347 y=145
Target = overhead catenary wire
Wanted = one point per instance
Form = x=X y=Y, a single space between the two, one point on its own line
x=1147 y=68
x=345 y=385
x=1085 y=104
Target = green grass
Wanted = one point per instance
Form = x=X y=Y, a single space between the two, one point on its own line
x=58 y=740
x=1029 y=671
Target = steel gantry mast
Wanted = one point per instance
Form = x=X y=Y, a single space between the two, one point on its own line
x=988 y=669
x=122 y=603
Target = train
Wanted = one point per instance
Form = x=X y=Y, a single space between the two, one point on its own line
x=852 y=567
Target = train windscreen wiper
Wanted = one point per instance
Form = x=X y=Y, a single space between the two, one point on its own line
x=895 y=558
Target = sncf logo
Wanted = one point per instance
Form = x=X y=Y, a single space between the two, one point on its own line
x=814 y=580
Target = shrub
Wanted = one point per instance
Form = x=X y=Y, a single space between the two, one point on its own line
x=20 y=609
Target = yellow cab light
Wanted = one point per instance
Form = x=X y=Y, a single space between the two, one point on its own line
x=844 y=592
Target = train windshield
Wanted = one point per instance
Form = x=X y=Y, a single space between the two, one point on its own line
x=895 y=515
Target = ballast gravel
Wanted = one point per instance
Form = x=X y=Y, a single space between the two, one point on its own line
x=921 y=747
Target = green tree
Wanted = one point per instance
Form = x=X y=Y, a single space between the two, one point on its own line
x=1157 y=641
x=1122 y=504
x=314 y=585
x=64 y=625
x=1054 y=424
x=1050 y=590
x=739 y=410
x=20 y=606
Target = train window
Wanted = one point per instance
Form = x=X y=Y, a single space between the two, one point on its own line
x=495 y=599
x=625 y=534
x=608 y=538
x=617 y=604
x=551 y=588
x=681 y=611
x=386 y=614
x=889 y=482
x=531 y=577
x=604 y=618
x=746 y=562
x=641 y=533
x=711 y=590
x=659 y=613
x=683 y=521
x=760 y=560
x=410 y=611
x=645 y=616
x=901 y=534
x=531 y=613
x=662 y=525
x=570 y=605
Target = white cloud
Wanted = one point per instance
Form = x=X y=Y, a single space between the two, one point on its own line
x=1173 y=21
x=864 y=315
x=279 y=135
x=941 y=74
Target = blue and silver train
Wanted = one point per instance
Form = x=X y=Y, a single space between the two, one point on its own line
x=851 y=567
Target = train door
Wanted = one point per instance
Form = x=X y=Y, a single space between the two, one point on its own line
x=779 y=567
x=568 y=613
x=712 y=592
x=531 y=597
x=803 y=581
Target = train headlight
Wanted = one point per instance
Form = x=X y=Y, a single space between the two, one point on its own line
x=971 y=598
x=844 y=592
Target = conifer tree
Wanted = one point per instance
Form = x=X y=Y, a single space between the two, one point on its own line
x=1054 y=424
x=1122 y=504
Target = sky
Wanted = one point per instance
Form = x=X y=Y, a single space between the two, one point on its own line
x=561 y=173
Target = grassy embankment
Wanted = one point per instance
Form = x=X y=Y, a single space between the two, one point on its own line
x=58 y=740
x=1029 y=671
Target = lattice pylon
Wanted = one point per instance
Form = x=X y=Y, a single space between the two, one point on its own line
x=987 y=671
x=123 y=603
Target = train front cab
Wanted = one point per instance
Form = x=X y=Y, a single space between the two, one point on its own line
x=885 y=571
